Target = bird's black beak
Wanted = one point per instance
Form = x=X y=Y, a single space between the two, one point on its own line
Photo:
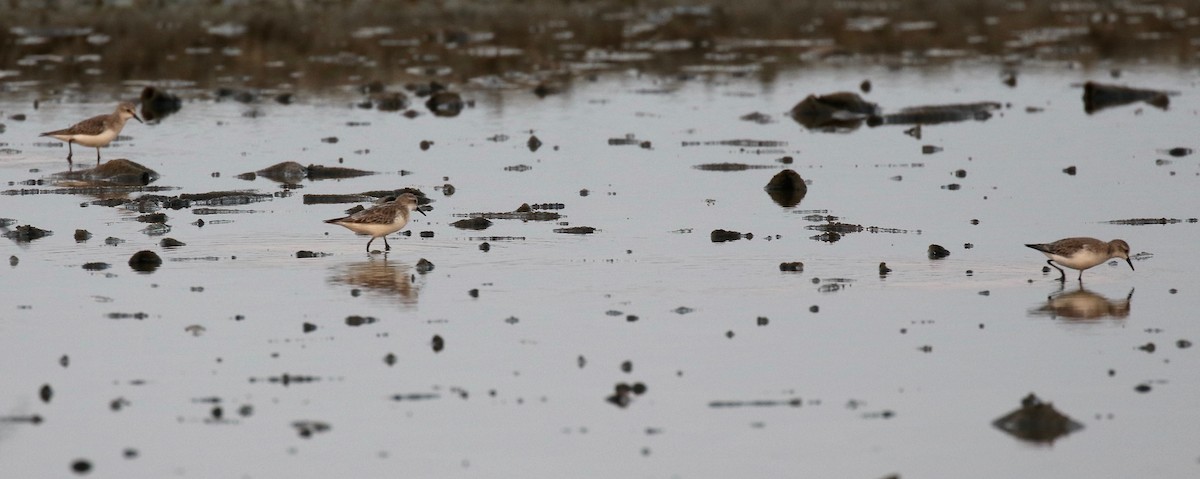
x=135 y=117
x=419 y=210
x=1127 y=260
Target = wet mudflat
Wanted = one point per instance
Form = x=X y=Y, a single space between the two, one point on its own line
x=598 y=323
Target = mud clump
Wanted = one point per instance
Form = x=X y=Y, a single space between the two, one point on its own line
x=27 y=233
x=937 y=252
x=884 y=269
x=445 y=104
x=118 y=172
x=476 y=223
x=82 y=235
x=576 y=230
x=842 y=111
x=721 y=236
x=938 y=114
x=1098 y=96
x=292 y=172
x=171 y=243
x=787 y=188
x=794 y=266
x=1036 y=421
x=145 y=261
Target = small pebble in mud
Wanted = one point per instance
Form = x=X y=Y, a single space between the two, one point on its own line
x=627 y=367
x=937 y=252
x=581 y=361
x=584 y=192
x=970 y=272
x=424 y=266
x=425 y=144
x=1045 y=269
x=354 y=293
x=448 y=189
x=729 y=334
x=914 y=132
x=46 y=393
x=1148 y=347
x=64 y=361
x=534 y=143
x=82 y=235
x=485 y=247
x=814 y=308
x=1179 y=151
x=329 y=139
x=884 y=269
x=952 y=187
x=1070 y=170
x=985 y=293
x=865 y=86
x=81 y=466
x=390 y=359
x=762 y=321
x=474 y=292
x=968 y=245
x=309 y=327
x=13 y=260
x=787 y=160
x=960 y=173
x=930 y=149
x=438 y=344
x=1142 y=388
x=1183 y=344
x=130 y=453
x=631 y=318
x=424 y=234
x=1173 y=291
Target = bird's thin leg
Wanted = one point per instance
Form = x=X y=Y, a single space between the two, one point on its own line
x=97 y=156
x=369 y=244
x=69 y=152
x=386 y=246
x=1081 y=276
x=1062 y=278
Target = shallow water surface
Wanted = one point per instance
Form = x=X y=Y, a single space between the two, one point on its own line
x=233 y=357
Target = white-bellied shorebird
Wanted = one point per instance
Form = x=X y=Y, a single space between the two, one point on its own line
x=381 y=220
x=1082 y=253
x=96 y=131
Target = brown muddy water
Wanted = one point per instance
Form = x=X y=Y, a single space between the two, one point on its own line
x=618 y=337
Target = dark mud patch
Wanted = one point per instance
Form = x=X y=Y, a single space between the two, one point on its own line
x=793 y=266
x=119 y=172
x=145 y=261
x=307 y=429
x=577 y=230
x=795 y=402
x=474 y=223
x=26 y=233
x=525 y=212
x=731 y=167
x=936 y=251
x=1099 y=96
x=1151 y=221
x=721 y=235
x=408 y=397
x=938 y=114
x=311 y=254
x=787 y=188
x=739 y=143
x=291 y=172
x=757 y=117
x=833 y=229
x=834 y=112
x=623 y=394
x=629 y=140
x=1036 y=421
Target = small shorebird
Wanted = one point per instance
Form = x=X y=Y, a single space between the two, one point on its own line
x=1082 y=253
x=381 y=220
x=96 y=131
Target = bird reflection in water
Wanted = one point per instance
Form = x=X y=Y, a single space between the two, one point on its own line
x=1082 y=304
x=379 y=277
